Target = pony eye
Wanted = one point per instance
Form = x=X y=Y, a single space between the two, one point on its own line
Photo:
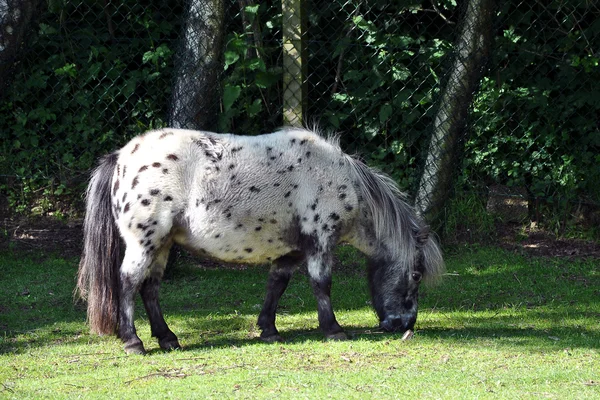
x=417 y=276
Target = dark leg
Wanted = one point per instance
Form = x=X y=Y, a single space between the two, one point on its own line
x=149 y=292
x=279 y=277
x=319 y=269
x=128 y=288
x=166 y=338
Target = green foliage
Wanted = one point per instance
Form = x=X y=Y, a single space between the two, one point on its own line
x=251 y=100
x=536 y=113
x=87 y=85
x=373 y=86
x=467 y=219
x=94 y=76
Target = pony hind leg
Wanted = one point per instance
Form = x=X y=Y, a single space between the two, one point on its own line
x=134 y=266
x=279 y=277
x=149 y=292
x=142 y=271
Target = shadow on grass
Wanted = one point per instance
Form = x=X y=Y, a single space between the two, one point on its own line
x=521 y=339
x=196 y=336
x=555 y=303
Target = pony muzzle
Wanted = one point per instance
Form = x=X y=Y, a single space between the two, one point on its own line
x=398 y=323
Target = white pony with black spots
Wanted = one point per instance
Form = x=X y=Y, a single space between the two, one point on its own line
x=286 y=198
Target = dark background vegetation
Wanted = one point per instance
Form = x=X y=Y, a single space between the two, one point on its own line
x=90 y=75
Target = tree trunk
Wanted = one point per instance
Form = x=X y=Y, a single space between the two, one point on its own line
x=15 y=19
x=194 y=103
x=470 y=54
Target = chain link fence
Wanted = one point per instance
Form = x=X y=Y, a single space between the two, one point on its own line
x=442 y=95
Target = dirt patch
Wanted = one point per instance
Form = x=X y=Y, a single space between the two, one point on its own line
x=544 y=244
x=42 y=235
x=51 y=236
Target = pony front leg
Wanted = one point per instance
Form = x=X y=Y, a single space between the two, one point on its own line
x=276 y=285
x=319 y=269
x=279 y=277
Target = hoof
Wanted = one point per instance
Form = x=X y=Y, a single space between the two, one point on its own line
x=337 y=336
x=271 y=338
x=135 y=348
x=169 y=344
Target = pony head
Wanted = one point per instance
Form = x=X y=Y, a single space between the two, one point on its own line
x=395 y=282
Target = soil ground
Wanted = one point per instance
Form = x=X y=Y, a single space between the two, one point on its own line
x=49 y=235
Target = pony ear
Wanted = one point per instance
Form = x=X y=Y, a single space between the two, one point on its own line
x=422 y=235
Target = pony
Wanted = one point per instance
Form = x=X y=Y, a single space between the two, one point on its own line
x=284 y=198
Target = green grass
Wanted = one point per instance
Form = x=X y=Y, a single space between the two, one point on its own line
x=499 y=326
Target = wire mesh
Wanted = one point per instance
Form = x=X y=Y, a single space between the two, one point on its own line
x=79 y=78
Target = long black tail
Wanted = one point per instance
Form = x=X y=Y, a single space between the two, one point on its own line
x=98 y=276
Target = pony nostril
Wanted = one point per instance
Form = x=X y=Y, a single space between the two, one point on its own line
x=395 y=324
x=391 y=324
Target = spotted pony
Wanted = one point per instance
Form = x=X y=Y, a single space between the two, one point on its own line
x=286 y=198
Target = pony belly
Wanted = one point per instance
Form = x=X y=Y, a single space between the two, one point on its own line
x=236 y=245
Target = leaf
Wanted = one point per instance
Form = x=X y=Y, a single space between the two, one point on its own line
x=400 y=72
x=385 y=112
x=257 y=64
x=94 y=69
x=334 y=120
x=231 y=58
x=266 y=79
x=68 y=69
x=254 y=108
x=230 y=95
x=252 y=10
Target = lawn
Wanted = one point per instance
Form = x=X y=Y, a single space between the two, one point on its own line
x=501 y=325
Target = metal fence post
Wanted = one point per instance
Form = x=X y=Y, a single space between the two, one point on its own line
x=294 y=61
